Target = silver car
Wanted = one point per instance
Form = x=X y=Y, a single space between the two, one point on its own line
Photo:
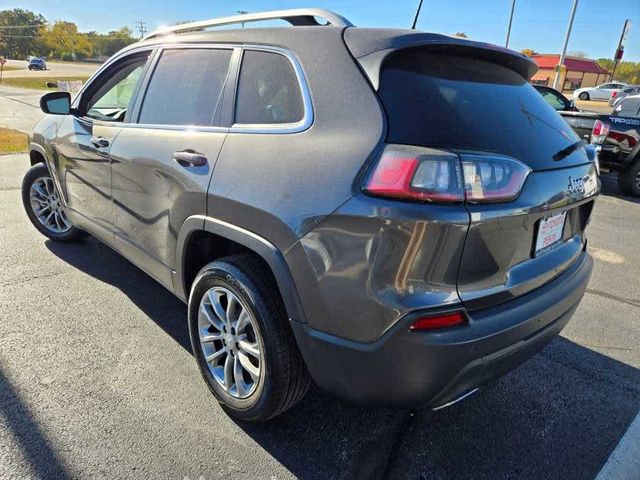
x=616 y=97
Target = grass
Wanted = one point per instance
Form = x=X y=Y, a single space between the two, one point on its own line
x=38 y=83
x=7 y=68
x=12 y=141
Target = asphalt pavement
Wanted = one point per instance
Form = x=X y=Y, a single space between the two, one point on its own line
x=97 y=380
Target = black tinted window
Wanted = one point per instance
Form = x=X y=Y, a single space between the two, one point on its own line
x=268 y=90
x=186 y=87
x=459 y=102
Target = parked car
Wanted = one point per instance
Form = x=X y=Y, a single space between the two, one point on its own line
x=601 y=92
x=37 y=64
x=401 y=243
x=616 y=97
x=554 y=98
x=617 y=139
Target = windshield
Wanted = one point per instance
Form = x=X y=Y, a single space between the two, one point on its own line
x=448 y=101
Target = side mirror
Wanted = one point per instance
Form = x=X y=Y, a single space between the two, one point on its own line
x=56 y=103
x=572 y=106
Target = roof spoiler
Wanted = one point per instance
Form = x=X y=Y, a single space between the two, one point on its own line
x=371 y=47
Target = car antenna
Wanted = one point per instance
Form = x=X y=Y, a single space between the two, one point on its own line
x=415 y=20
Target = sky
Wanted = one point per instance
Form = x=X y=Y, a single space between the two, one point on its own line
x=537 y=24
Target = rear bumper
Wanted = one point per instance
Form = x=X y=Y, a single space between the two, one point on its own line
x=406 y=369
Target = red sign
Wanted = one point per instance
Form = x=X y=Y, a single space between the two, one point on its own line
x=3 y=61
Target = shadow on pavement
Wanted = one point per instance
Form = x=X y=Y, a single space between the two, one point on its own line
x=34 y=445
x=558 y=416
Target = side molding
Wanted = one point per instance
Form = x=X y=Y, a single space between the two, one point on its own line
x=250 y=240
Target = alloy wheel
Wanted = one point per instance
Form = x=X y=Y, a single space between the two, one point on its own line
x=229 y=342
x=47 y=207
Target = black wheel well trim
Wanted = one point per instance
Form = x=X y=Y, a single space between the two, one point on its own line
x=37 y=148
x=253 y=242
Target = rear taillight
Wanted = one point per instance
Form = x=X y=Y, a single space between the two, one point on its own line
x=600 y=132
x=442 y=320
x=431 y=175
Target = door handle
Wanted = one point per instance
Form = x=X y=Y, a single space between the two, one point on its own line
x=99 y=142
x=189 y=158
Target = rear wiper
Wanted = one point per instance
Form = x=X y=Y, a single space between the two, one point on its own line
x=565 y=152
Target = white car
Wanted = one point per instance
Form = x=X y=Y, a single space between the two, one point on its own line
x=601 y=92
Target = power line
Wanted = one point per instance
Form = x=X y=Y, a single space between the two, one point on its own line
x=66 y=36
x=24 y=26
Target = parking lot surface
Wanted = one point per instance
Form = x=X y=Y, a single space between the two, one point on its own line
x=97 y=380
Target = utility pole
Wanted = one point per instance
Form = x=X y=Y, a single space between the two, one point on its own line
x=142 y=27
x=242 y=12
x=620 y=50
x=415 y=19
x=564 y=47
x=513 y=7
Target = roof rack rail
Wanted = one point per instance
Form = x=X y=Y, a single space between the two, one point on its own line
x=296 y=17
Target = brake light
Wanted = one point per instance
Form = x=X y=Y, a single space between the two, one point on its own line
x=600 y=132
x=433 y=322
x=431 y=175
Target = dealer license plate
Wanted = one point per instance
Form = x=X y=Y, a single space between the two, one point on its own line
x=550 y=233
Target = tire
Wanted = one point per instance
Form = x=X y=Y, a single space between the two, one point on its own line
x=281 y=379
x=583 y=96
x=59 y=228
x=629 y=179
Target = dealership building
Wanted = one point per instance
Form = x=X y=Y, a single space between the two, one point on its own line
x=579 y=73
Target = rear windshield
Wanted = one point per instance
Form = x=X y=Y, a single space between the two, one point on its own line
x=458 y=102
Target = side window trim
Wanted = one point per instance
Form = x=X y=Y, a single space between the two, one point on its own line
x=276 y=128
x=139 y=95
x=94 y=82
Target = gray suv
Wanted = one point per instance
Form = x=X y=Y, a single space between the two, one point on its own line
x=398 y=216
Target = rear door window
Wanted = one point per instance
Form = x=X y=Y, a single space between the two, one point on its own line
x=186 y=87
x=457 y=102
x=268 y=90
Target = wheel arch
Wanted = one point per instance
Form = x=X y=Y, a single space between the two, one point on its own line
x=248 y=241
x=37 y=154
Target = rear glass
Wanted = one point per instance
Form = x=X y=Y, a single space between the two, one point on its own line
x=458 y=102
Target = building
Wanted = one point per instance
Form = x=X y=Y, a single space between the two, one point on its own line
x=579 y=73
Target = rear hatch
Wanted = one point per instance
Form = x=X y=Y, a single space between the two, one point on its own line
x=454 y=98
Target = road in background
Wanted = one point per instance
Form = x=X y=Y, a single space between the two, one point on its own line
x=593 y=106
x=61 y=69
x=19 y=108
x=97 y=380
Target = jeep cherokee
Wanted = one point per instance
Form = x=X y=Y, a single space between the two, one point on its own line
x=396 y=215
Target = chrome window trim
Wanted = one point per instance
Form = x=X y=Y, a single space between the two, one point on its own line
x=280 y=128
x=117 y=57
x=267 y=128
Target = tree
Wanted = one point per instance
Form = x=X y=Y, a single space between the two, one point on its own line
x=19 y=33
x=112 y=42
x=577 y=54
x=461 y=35
x=605 y=63
x=628 y=72
x=528 y=52
x=65 y=42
